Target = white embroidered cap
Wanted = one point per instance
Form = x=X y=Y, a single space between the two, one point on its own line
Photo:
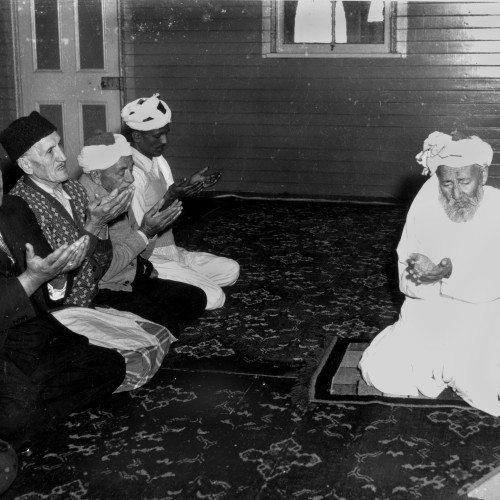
x=104 y=155
x=441 y=149
x=146 y=113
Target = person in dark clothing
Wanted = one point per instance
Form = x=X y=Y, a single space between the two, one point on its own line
x=46 y=370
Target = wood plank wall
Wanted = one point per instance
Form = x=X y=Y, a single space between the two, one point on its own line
x=312 y=127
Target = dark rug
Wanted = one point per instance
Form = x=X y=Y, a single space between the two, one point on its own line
x=219 y=420
x=338 y=380
x=309 y=272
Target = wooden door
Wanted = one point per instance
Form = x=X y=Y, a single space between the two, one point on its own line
x=69 y=67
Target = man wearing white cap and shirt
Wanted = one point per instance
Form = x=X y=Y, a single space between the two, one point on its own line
x=146 y=126
x=131 y=282
x=449 y=271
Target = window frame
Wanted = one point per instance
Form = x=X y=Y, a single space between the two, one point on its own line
x=275 y=47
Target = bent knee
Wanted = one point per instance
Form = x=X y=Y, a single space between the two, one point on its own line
x=215 y=298
x=192 y=301
x=231 y=273
x=112 y=366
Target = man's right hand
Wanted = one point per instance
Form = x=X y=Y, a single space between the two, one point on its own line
x=184 y=189
x=60 y=261
x=156 y=221
x=104 y=210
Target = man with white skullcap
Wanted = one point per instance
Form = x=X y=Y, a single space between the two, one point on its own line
x=146 y=127
x=131 y=283
x=449 y=271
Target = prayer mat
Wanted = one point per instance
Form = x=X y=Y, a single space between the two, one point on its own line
x=338 y=380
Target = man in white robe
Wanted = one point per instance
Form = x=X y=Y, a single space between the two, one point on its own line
x=449 y=269
x=146 y=127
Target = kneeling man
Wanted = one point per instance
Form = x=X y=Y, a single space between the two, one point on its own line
x=447 y=333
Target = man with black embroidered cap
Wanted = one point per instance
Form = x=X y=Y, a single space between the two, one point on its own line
x=449 y=271
x=64 y=213
x=146 y=127
x=60 y=204
x=46 y=370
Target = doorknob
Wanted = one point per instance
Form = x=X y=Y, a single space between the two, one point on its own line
x=111 y=83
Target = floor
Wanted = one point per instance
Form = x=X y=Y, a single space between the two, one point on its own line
x=227 y=415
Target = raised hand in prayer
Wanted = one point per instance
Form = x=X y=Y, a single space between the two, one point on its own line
x=103 y=210
x=421 y=269
x=206 y=180
x=183 y=189
x=156 y=220
x=60 y=261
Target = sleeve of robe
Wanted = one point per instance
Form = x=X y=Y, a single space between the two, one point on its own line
x=409 y=244
x=128 y=243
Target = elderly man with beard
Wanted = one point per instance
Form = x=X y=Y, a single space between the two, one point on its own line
x=447 y=332
x=131 y=283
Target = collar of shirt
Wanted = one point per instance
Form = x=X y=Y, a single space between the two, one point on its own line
x=143 y=161
x=58 y=193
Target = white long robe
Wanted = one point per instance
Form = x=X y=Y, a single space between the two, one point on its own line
x=448 y=333
x=207 y=271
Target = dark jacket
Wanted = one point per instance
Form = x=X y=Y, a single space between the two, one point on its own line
x=19 y=312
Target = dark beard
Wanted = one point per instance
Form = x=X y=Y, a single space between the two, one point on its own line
x=464 y=209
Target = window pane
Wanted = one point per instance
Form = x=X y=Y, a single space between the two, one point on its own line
x=90 y=31
x=47 y=34
x=364 y=21
x=94 y=119
x=326 y=21
x=53 y=113
x=313 y=22
x=290 y=9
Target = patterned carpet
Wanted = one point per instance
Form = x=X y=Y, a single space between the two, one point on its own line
x=221 y=419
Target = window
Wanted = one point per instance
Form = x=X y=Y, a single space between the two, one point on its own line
x=329 y=28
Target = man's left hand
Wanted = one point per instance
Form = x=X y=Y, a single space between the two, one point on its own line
x=421 y=269
x=206 y=180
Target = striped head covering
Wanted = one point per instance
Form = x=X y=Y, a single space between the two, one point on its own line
x=146 y=114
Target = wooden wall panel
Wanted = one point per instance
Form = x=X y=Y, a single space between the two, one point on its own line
x=312 y=127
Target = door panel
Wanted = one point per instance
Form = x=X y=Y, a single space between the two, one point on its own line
x=66 y=48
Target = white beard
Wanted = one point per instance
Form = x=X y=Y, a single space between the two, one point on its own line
x=464 y=209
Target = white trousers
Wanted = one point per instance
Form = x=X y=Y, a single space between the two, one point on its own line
x=204 y=270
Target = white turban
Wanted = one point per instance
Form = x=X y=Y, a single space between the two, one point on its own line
x=103 y=156
x=441 y=149
x=146 y=113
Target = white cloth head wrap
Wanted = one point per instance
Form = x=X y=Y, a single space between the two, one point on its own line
x=146 y=113
x=441 y=149
x=103 y=156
